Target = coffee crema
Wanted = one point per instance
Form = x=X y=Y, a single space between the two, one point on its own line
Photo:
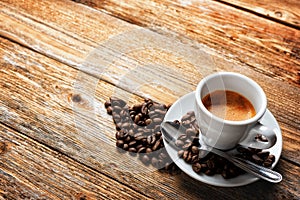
x=229 y=105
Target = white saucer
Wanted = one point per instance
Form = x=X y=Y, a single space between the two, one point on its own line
x=185 y=104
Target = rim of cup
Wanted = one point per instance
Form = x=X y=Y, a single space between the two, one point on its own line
x=255 y=118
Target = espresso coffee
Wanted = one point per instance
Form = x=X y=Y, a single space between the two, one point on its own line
x=229 y=105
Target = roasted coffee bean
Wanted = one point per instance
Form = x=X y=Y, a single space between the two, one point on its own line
x=120 y=143
x=132 y=149
x=185 y=154
x=180 y=153
x=194 y=158
x=145 y=159
x=267 y=163
x=127 y=139
x=271 y=157
x=156 y=145
x=190 y=132
x=158 y=134
x=195 y=150
x=261 y=138
x=157 y=128
x=148 y=150
x=139 y=146
x=109 y=110
x=141 y=150
x=148 y=121
x=136 y=119
x=154 y=161
x=144 y=109
x=196 y=167
x=125 y=147
x=209 y=172
x=107 y=104
x=263 y=155
x=139 y=138
x=186 y=146
x=179 y=143
x=141 y=123
x=157 y=120
x=182 y=137
x=132 y=143
x=185 y=117
x=162 y=156
x=118 y=135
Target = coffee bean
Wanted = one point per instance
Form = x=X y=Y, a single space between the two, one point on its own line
x=148 y=121
x=120 y=143
x=194 y=158
x=209 y=172
x=157 y=120
x=132 y=143
x=179 y=143
x=196 y=167
x=180 y=153
x=154 y=161
x=139 y=138
x=156 y=145
x=132 y=149
x=195 y=149
x=190 y=132
x=139 y=146
x=186 y=146
x=145 y=159
x=263 y=155
x=271 y=157
x=109 y=110
x=141 y=150
x=144 y=109
x=267 y=163
x=148 y=150
x=125 y=147
x=185 y=154
x=127 y=139
x=158 y=134
x=107 y=104
x=136 y=119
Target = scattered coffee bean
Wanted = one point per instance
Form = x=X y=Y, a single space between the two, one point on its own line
x=138 y=132
x=209 y=163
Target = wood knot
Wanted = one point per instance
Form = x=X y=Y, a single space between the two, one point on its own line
x=3 y=147
x=278 y=14
x=81 y=196
x=76 y=98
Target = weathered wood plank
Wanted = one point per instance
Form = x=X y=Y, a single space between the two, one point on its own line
x=128 y=66
x=264 y=45
x=30 y=170
x=285 y=11
x=37 y=101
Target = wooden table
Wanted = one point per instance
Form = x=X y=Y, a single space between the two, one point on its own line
x=61 y=60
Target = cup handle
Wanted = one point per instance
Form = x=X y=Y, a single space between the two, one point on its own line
x=251 y=141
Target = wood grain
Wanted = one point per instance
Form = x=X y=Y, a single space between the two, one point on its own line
x=128 y=67
x=264 y=45
x=61 y=107
x=29 y=170
x=286 y=11
x=41 y=107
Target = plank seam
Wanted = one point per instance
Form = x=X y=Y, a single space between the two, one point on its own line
x=259 y=14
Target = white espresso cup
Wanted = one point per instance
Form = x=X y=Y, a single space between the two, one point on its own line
x=225 y=134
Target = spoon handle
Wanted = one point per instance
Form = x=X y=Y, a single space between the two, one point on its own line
x=250 y=167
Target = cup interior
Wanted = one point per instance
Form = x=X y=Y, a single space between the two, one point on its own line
x=233 y=82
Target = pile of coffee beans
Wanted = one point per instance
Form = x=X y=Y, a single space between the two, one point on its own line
x=138 y=131
x=209 y=163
